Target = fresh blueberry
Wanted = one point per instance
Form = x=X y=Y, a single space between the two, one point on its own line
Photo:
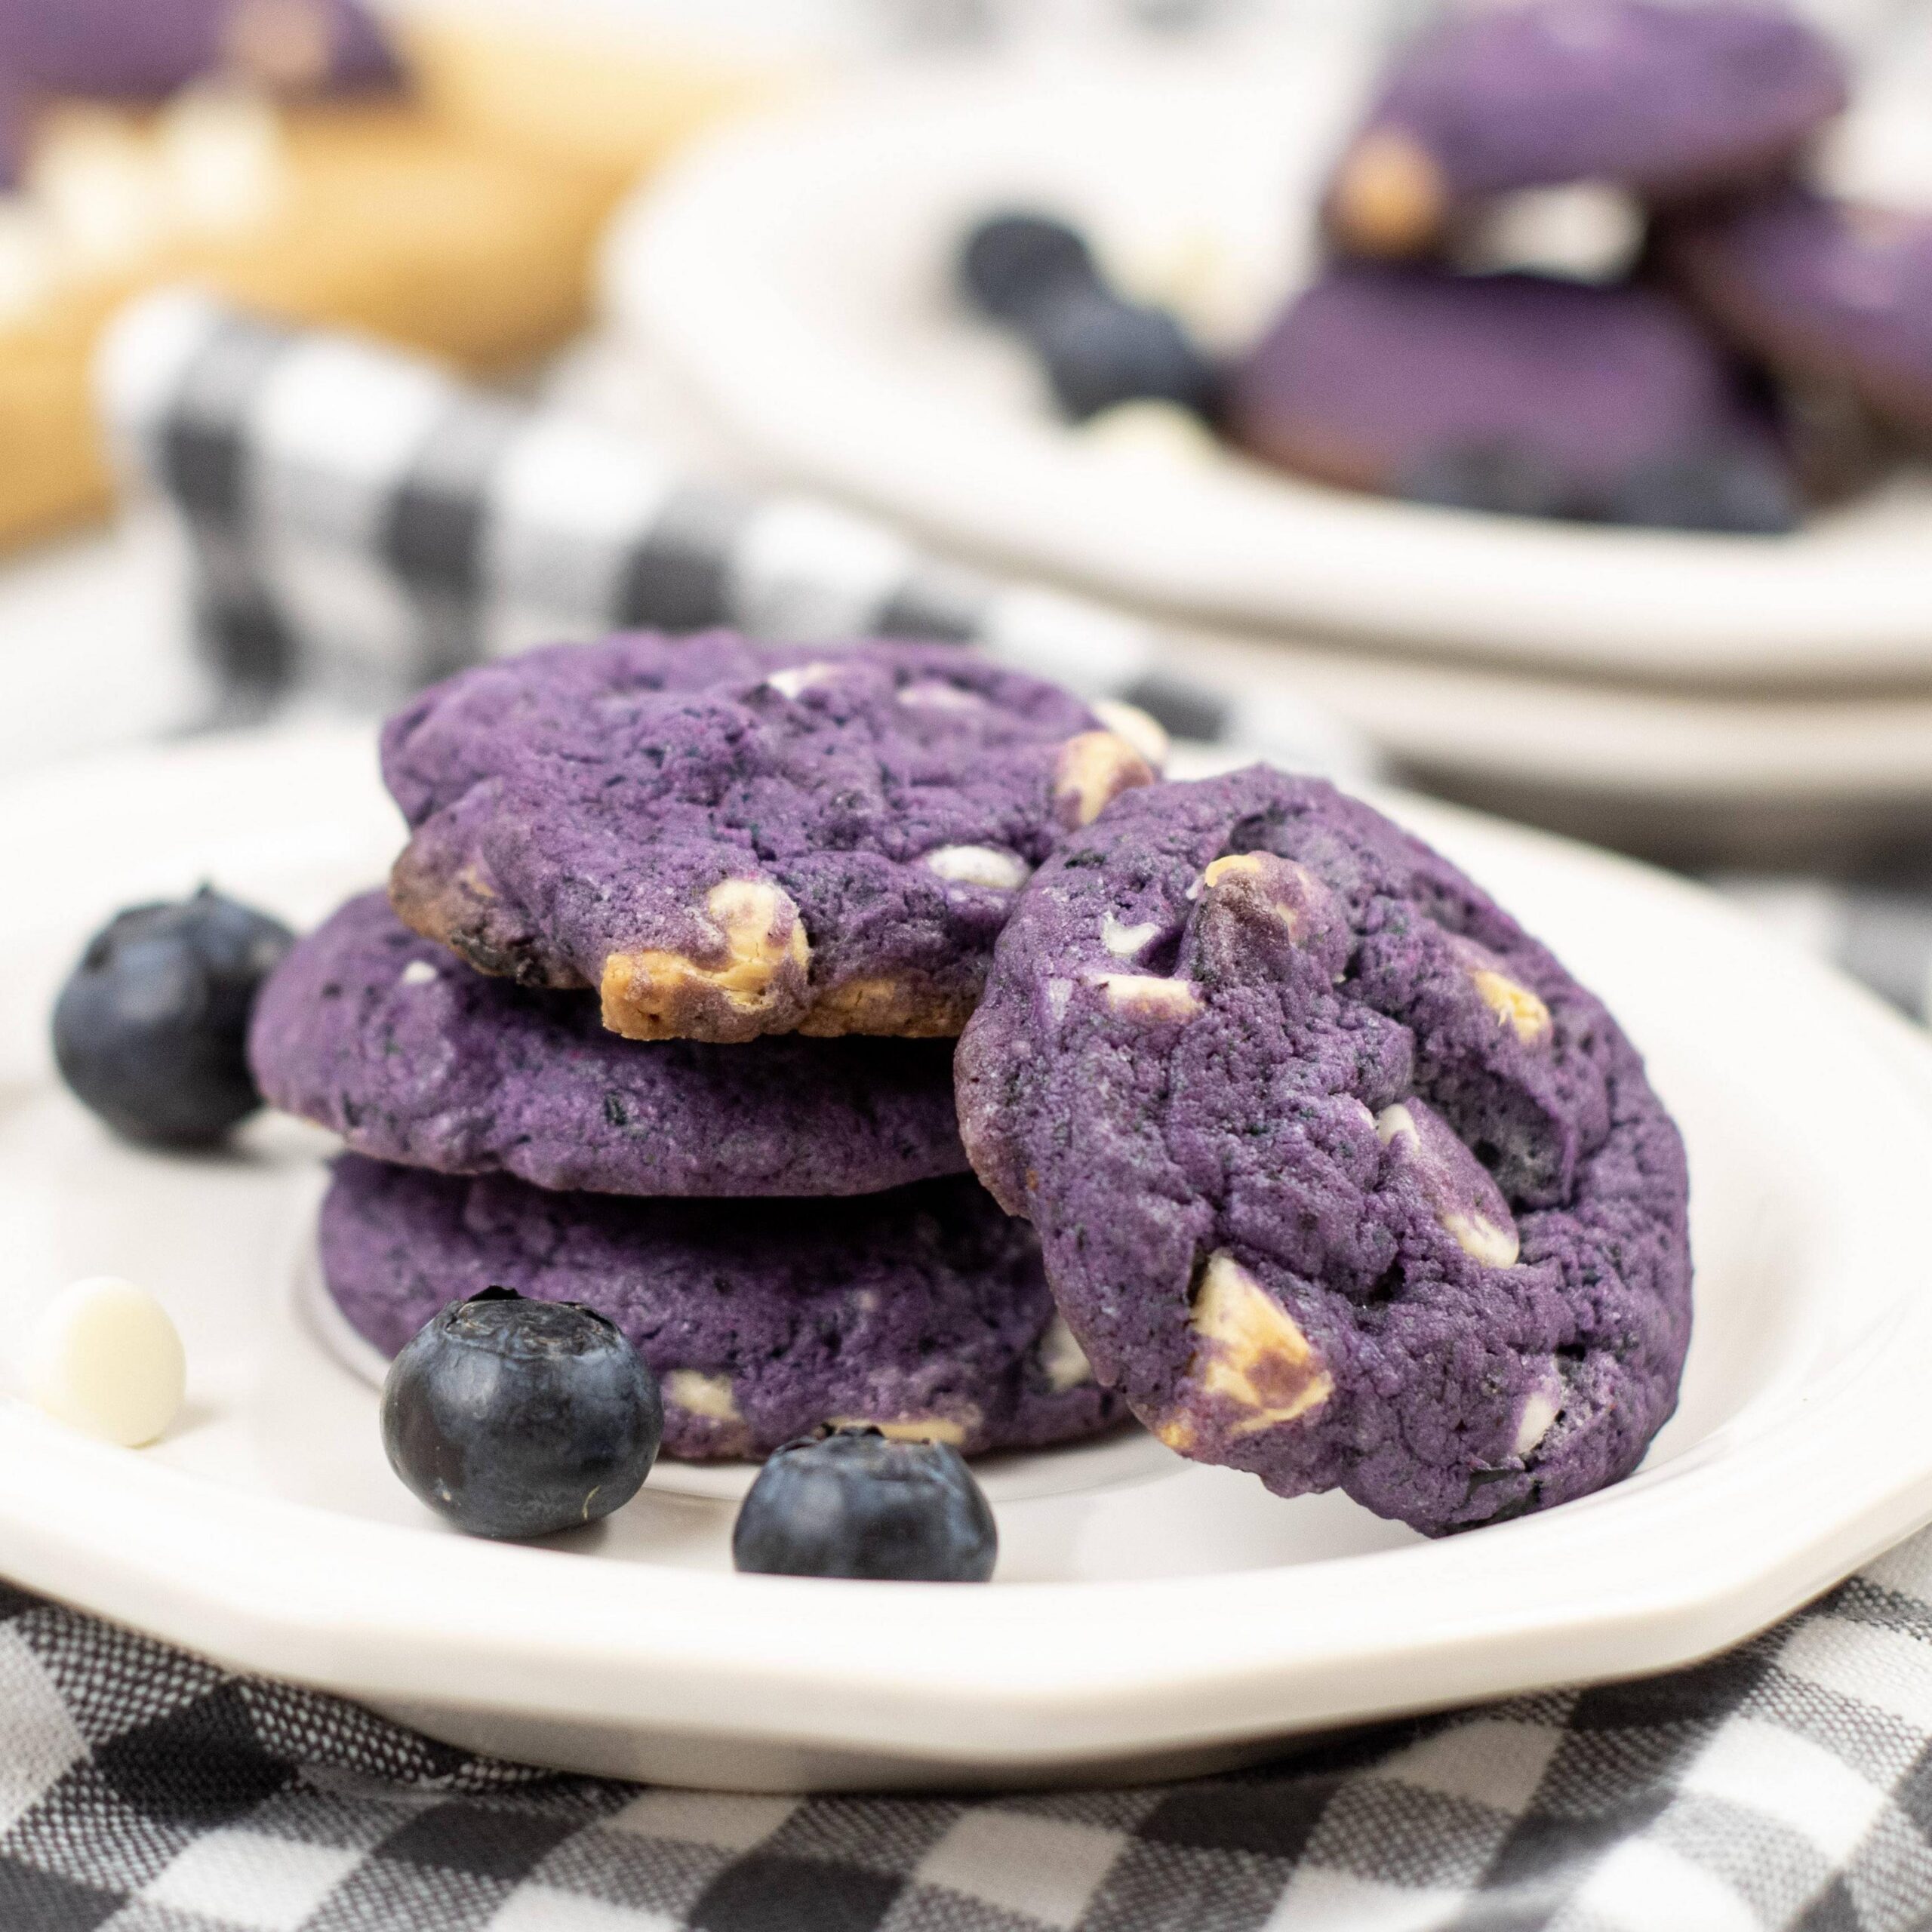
x=1495 y=478
x=1099 y=351
x=517 y=1418
x=1012 y=264
x=1744 y=492
x=856 y=1503
x=151 y=1028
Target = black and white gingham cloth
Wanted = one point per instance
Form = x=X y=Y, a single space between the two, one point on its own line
x=1787 y=1784
x=360 y=522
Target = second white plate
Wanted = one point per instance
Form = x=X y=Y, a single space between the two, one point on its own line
x=795 y=275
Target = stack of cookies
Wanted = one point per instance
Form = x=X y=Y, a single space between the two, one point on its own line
x=658 y=1016
x=1319 y=1164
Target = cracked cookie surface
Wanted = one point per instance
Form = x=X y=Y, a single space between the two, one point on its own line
x=728 y=839
x=1339 y=1177
x=384 y=1038
x=923 y=1311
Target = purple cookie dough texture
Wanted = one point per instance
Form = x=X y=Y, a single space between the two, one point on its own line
x=381 y=1036
x=1375 y=370
x=146 y=49
x=729 y=839
x=1831 y=292
x=923 y=1311
x=1669 y=99
x=1340 y=1178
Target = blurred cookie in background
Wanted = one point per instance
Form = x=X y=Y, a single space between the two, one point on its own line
x=1835 y=295
x=297 y=156
x=1667 y=101
x=1514 y=394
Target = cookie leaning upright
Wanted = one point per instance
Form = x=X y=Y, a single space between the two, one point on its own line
x=728 y=839
x=1339 y=1177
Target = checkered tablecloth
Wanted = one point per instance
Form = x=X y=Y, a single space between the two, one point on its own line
x=1786 y=1784
x=359 y=522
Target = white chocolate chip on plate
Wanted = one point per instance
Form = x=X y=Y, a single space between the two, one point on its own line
x=105 y=1359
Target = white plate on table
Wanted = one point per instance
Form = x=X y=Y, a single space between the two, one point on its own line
x=794 y=275
x=1149 y=1616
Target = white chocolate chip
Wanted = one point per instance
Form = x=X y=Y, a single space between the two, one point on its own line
x=1058 y=992
x=1093 y=768
x=935 y=694
x=419 y=973
x=797 y=677
x=96 y=179
x=1147 y=996
x=1467 y=1204
x=105 y=1359
x=1124 y=942
x=222 y=151
x=1149 y=430
x=1253 y=1352
x=1063 y=1360
x=1388 y=197
x=1518 y=1009
x=989 y=866
x=911 y=1429
x=762 y=937
x=1540 y=1410
x=1482 y=1240
x=29 y=258
x=1141 y=729
x=698 y=1394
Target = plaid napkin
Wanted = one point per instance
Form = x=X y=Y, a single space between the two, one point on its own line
x=1787 y=1784
x=360 y=523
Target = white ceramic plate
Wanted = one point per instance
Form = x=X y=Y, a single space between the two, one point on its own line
x=795 y=275
x=1150 y=1615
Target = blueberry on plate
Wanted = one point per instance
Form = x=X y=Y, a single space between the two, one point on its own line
x=518 y=1418
x=856 y=1503
x=151 y=1029
x=1012 y=264
x=1741 y=493
x=1099 y=350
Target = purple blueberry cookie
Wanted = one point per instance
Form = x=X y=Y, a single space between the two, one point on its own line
x=1668 y=99
x=146 y=49
x=1832 y=294
x=1340 y=1177
x=729 y=839
x=1511 y=393
x=381 y=1036
x=923 y=1311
